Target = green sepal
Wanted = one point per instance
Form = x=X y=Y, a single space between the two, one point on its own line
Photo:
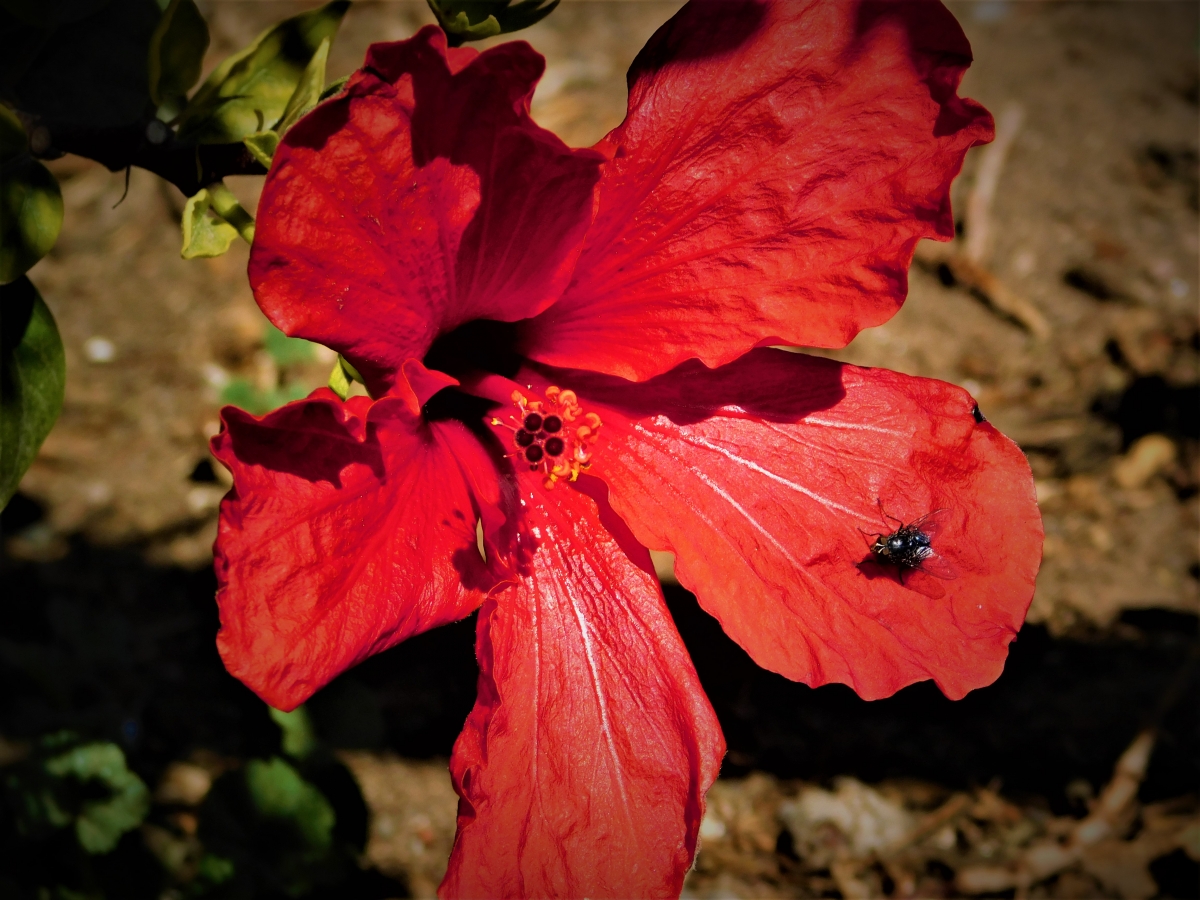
x=31 y=205
x=308 y=91
x=262 y=146
x=335 y=87
x=34 y=374
x=474 y=20
x=226 y=206
x=176 y=54
x=204 y=235
x=343 y=376
x=250 y=90
x=339 y=381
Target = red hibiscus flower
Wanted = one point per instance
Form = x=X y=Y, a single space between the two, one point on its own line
x=567 y=355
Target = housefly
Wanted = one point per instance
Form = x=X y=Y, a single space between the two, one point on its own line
x=910 y=547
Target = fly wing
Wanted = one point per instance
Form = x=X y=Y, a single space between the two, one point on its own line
x=939 y=567
x=932 y=524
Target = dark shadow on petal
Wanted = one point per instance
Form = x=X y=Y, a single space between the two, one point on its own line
x=597 y=489
x=706 y=31
x=766 y=384
x=939 y=51
x=306 y=439
x=314 y=129
x=912 y=579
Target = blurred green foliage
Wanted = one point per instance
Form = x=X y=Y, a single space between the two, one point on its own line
x=32 y=380
x=69 y=783
x=31 y=206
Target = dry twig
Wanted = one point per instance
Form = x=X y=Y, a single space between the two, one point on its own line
x=966 y=259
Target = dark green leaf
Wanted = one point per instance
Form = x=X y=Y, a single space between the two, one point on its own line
x=33 y=371
x=250 y=90
x=176 y=51
x=89 y=73
x=31 y=207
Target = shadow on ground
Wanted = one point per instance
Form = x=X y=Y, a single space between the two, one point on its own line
x=101 y=643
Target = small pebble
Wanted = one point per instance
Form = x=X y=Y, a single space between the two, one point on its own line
x=99 y=350
x=184 y=783
x=1148 y=456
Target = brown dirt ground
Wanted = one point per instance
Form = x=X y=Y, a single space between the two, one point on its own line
x=1094 y=223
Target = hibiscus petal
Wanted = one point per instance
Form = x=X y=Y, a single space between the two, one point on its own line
x=350 y=527
x=421 y=198
x=777 y=166
x=770 y=477
x=583 y=767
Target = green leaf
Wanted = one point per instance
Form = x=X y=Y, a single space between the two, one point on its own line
x=250 y=90
x=34 y=374
x=204 y=235
x=308 y=91
x=262 y=146
x=298 y=737
x=287 y=351
x=176 y=51
x=278 y=792
x=100 y=823
x=474 y=20
x=31 y=206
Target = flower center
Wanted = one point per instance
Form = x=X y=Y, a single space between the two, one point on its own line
x=554 y=435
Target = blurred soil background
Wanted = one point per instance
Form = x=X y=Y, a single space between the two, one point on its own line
x=1068 y=308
